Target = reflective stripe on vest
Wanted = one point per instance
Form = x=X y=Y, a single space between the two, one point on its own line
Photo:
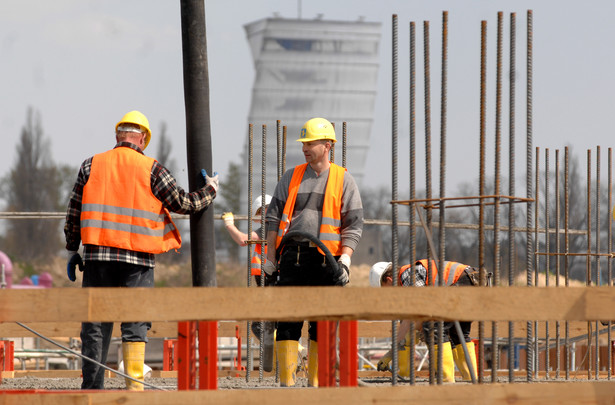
x=130 y=216
x=255 y=263
x=452 y=272
x=330 y=226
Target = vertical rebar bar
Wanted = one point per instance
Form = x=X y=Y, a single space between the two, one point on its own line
x=344 y=144
x=511 y=179
x=536 y=259
x=557 y=260
x=481 y=191
x=495 y=351
x=284 y=131
x=598 y=250
x=548 y=251
x=427 y=107
x=609 y=259
x=249 y=273
x=442 y=218
x=412 y=153
x=394 y=234
x=262 y=283
x=566 y=250
x=588 y=276
x=278 y=133
x=529 y=149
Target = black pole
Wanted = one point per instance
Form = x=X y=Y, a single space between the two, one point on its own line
x=198 y=137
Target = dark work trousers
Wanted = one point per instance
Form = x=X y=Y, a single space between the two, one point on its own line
x=449 y=332
x=96 y=337
x=301 y=265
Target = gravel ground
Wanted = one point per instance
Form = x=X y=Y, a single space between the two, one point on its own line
x=31 y=383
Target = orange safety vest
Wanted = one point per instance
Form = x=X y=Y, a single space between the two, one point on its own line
x=452 y=272
x=255 y=263
x=330 y=233
x=119 y=209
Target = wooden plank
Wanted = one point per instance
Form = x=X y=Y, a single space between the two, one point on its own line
x=367 y=329
x=522 y=393
x=288 y=303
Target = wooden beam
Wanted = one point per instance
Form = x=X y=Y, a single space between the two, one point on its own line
x=314 y=303
x=521 y=393
x=367 y=329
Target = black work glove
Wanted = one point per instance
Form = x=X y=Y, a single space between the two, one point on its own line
x=73 y=261
x=344 y=275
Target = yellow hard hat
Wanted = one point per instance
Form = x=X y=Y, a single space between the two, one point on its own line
x=136 y=117
x=316 y=129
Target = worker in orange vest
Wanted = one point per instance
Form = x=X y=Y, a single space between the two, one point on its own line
x=241 y=238
x=119 y=209
x=454 y=274
x=319 y=199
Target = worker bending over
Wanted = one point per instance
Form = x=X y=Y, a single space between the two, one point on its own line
x=454 y=274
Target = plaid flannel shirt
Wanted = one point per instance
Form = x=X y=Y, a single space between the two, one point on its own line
x=165 y=188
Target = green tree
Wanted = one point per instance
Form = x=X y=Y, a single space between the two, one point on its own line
x=34 y=184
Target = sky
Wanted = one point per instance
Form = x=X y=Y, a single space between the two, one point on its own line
x=82 y=64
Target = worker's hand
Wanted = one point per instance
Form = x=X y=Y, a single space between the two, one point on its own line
x=229 y=219
x=211 y=181
x=383 y=364
x=344 y=265
x=269 y=267
x=74 y=260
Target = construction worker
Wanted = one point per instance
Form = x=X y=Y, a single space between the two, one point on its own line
x=119 y=209
x=454 y=274
x=241 y=238
x=320 y=199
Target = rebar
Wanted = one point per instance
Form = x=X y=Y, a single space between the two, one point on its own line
x=249 y=260
x=344 y=144
x=495 y=352
x=566 y=250
x=548 y=249
x=427 y=109
x=529 y=188
x=394 y=207
x=442 y=229
x=609 y=260
x=511 y=180
x=557 y=260
x=412 y=153
x=597 y=270
x=588 y=276
x=262 y=280
x=278 y=133
x=536 y=259
x=481 y=192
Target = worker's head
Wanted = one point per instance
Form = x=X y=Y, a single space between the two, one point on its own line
x=258 y=206
x=318 y=137
x=381 y=274
x=134 y=127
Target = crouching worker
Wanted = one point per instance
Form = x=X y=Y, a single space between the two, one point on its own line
x=455 y=274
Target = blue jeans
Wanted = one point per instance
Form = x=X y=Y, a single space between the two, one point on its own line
x=96 y=336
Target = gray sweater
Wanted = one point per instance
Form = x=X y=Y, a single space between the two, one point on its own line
x=307 y=215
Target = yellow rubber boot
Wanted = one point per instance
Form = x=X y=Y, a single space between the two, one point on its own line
x=287 y=351
x=460 y=360
x=134 y=358
x=313 y=364
x=448 y=364
x=403 y=359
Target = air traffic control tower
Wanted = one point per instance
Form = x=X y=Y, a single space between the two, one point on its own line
x=312 y=68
